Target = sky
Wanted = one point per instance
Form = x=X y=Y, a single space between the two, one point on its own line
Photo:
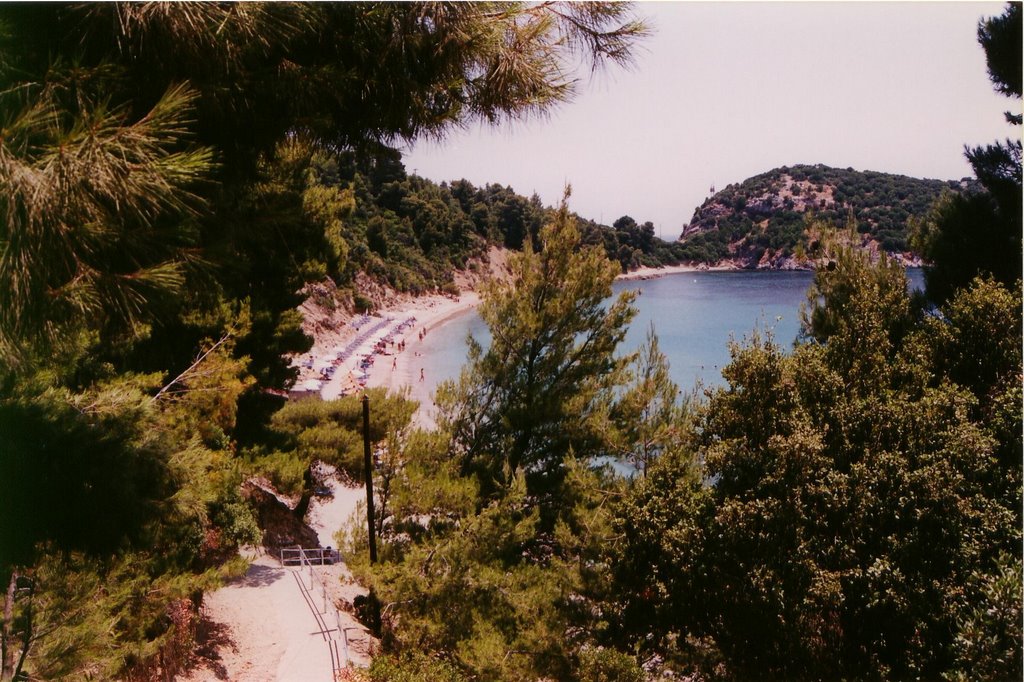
x=723 y=91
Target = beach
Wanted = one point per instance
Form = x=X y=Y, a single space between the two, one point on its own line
x=646 y=272
x=383 y=349
x=387 y=348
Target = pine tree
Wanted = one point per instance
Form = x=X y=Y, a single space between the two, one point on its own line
x=542 y=390
x=980 y=234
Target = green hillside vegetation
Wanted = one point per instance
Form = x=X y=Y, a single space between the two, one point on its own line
x=412 y=234
x=769 y=211
x=847 y=510
x=174 y=177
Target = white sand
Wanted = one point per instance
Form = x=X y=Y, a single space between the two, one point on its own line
x=393 y=369
x=402 y=371
x=264 y=627
x=652 y=273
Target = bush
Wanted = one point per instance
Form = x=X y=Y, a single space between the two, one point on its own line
x=284 y=469
x=598 y=664
x=361 y=303
x=413 y=667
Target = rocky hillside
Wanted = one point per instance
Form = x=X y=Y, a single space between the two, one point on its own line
x=761 y=222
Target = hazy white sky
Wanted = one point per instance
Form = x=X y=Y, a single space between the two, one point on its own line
x=723 y=91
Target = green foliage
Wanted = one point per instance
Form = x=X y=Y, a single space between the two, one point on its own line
x=859 y=305
x=769 y=211
x=598 y=664
x=60 y=596
x=494 y=528
x=93 y=210
x=96 y=459
x=978 y=339
x=543 y=387
x=304 y=432
x=979 y=234
x=650 y=417
x=492 y=592
x=351 y=74
x=845 y=511
x=1000 y=37
x=630 y=244
x=412 y=234
x=988 y=626
x=965 y=237
x=91 y=481
x=855 y=505
x=148 y=296
x=413 y=667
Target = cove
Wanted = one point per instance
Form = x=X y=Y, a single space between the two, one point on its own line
x=695 y=314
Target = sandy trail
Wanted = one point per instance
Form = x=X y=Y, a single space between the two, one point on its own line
x=263 y=627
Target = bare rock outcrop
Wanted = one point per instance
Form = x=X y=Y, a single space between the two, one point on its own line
x=279 y=523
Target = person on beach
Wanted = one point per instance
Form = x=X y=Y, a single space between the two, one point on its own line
x=421 y=374
x=394 y=364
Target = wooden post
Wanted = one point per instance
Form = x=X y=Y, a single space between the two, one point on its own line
x=368 y=468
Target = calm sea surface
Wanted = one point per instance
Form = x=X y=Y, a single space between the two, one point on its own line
x=694 y=314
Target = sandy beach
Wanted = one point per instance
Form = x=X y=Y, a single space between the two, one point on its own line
x=666 y=270
x=383 y=349
x=403 y=371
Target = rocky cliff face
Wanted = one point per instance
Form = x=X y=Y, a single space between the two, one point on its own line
x=766 y=221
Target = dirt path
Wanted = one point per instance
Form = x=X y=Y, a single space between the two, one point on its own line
x=268 y=625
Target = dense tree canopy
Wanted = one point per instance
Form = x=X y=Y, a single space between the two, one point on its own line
x=169 y=192
x=980 y=233
x=849 y=510
x=536 y=392
x=857 y=506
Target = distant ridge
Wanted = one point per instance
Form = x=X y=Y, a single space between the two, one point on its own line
x=760 y=222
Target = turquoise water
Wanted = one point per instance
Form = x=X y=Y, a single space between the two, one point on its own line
x=694 y=314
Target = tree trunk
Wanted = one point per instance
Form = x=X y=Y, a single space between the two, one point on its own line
x=307 y=494
x=6 y=643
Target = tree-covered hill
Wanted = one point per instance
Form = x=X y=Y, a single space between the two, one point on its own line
x=411 y=233
x=761 y=221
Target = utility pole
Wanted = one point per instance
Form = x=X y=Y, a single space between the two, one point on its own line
x=368 y=469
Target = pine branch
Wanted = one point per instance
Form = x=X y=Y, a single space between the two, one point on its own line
x=191 y=367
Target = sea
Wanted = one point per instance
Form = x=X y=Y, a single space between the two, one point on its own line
x=694 y=314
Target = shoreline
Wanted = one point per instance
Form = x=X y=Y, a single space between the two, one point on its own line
x=384 y=349
x=647 y=272
x=401 y=372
